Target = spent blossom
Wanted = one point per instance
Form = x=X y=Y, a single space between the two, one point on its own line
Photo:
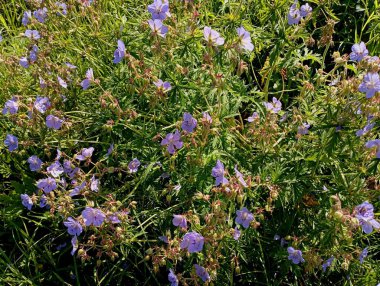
x=303 y=129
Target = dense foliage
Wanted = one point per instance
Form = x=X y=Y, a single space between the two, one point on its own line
x=189 y=142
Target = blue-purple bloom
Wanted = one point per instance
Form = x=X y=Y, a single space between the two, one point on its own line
x=244 y=217
x=295 y=255
x=62 y=82
x=85 y=84
x=274 y=106
x=202 y=272
x=69 y=170
x=206 y=118
x=34 y=163
x=42 y=104
x=85 y=154
x=364 y=213
x=47 y=185
x=173 y=142
x=159 y=9
x=73 y=226
x=32 y=34
x=71 y=66
x=365 y=129
x=294 y=15
x=359 y=51
x=26 y=201
x=62 y=7
x=172 y=278
x=110 y=150
x=24 y=62
x=26 y=18
x=236 y=233
x=303 y=129
x=74 y=243
x=33 y=54
x=119 y=53
x=193 y=241
x=212 y=37
x=305 y=10
x=92 y=216
x=180 y=221
x=40 y=14
x=53 y=122
x=363 y=255
x=370 y=84
x=189 y=122
x=158 y=28
x=55 y=169
x=164 y=238
x=77 y=189
x=240 y=178
x=163 y=86
x=94 y=186
x=43 y=201
x=218 y=173
x=11 y=142
x=374 y=143
x=134 y=165
x=255 y=116
x=245 y=41
x=327 y=263
x=10 y=106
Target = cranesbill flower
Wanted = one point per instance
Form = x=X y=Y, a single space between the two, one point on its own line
x=34 y=163
x=218 y=173
x=73 y=226
x=159 y=9
x=62 y=82
x=41 y=14
x=32 y=34
x=363 y=255
x=33 y=54
x=295 y=255
x=26 y=201
x=110 y=150
x=364 y=210
x=254 y=117
x=370 y=84
x=10 y=106
x=212 y=37
x=172 y=141
x=47 y=185
x=94 y=186
x=70 y=66
x=294 y=15
x=26 y=18
x=77 y=189
x=85 y=84
x=305 y=10
x=92 y=216
x=42 y=104
x=172 y=278
x=189 y=122
x=134 y=165
x=206 y=118
x=74 y=243
x=365 y=130
x=368 y=224
x=374 y=143
x=158 y=27
x=244 y=217
x=85 y=154
x=53 y=122
x=62 y=7
x=236 y=233
x=55 y=169
x=43 y=201
x=193 y=241
x=202 y=272
x=358 y=52
x=245 y=41
x=274 y=106
x=119 y=53
x=303 y=129
x=24 y=62
x=327 y=263
x=11 y=142
x=240 y=178
x=163 y=86
x=180 y=221
x=164 y=238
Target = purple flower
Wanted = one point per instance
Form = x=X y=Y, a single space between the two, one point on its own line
x=163 y=86
x=94 y=186
x=42 y=104
x=245 y=41
x=47 y=185
x=159 y=9
x=303 y=129
x=172 y=278
x=374 y=143
x=189 y=122
x=305 y=10
x=119 y=53
x=26 y=18
x=274 y=106
x=55 y=169
x=212 y=37
x=164 y=239
x=365 y=130
x=240 y=178
x=87 y=3
x=193 y=241
x=74 y=243
x=43 y=201
x=70 y=66
x=40 y=14
x=26 y=201
x=173 y=142
x=10 y=106
x=33 y=54
x=110 y=150
x=63 y=7
x=327 y=263
x=364 y=210
x=32 y=34
x=295 y=255
x=73 y=226
x=11 y=142
x=62 y=82
x=53 y=122
x=85 y=84
x=24 y=62
x=363 y=255
x=236 y=233
x=370 y=84
x=113 y=218
x=180 y=221
x=69 y=170
x=244 y=217
x=34 y=163
x=93 y=216
x=158 y=28
x=134 y=165
x=206 y=118
x=359 y=51
x=254 y=117
x=202 y=272
x=85 y=154
x=368 y=224
x=77 y=189
x=294 y=15
x=218 y=173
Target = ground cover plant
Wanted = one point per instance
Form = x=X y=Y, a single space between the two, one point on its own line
x=189 y=142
